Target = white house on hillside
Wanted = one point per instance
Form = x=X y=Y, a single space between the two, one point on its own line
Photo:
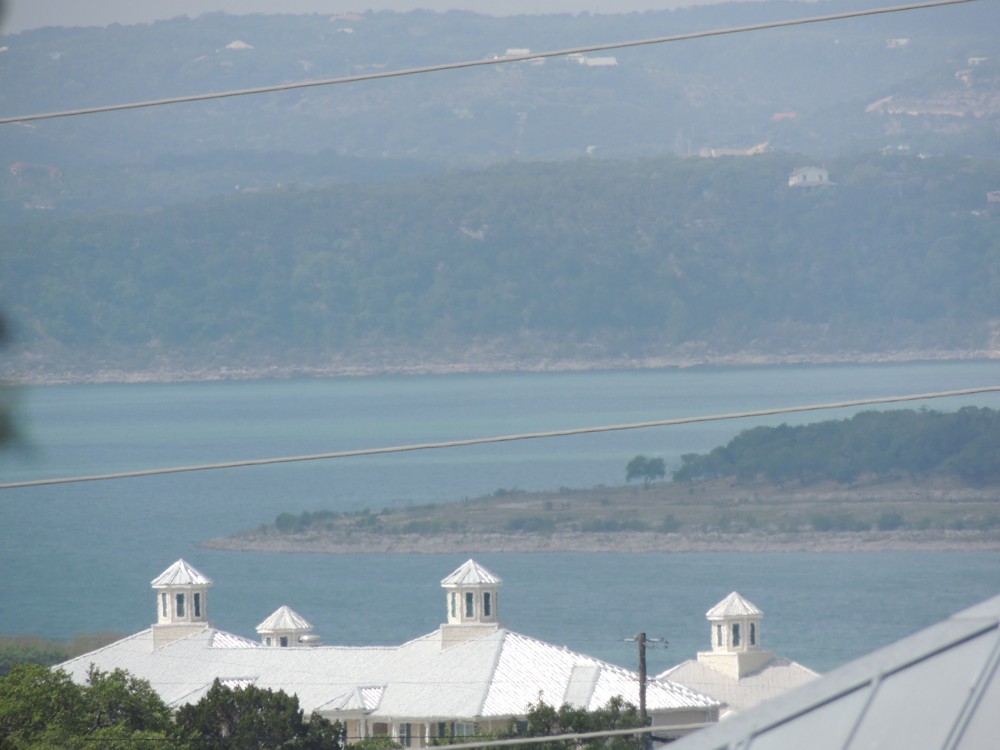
x=809 y=177
x=737 y=672
x=471 y=672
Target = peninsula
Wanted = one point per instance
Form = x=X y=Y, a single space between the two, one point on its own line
x=706 y=516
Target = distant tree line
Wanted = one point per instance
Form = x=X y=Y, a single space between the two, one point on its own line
x=28 y=649
x=886 y=445
x=610 y=257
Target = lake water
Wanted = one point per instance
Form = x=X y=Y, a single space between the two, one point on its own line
x=79 y=557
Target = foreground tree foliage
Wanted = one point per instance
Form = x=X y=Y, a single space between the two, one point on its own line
x=253 y=718
x=43 y=708
x=887 y=445
x=544 y=720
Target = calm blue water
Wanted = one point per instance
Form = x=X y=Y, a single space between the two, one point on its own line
x=78 y=558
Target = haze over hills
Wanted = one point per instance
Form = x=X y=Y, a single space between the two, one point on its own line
x=682 y=260
x=555 y=213
x=32 y=14
x=824 y=89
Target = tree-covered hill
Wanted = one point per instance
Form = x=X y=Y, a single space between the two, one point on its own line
x=807 y=89
x=609 y=258
x=964 y=445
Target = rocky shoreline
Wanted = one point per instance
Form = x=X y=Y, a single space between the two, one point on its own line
x=29 y=370
x=627 y=542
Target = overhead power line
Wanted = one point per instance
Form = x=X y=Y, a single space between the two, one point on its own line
x=477 y=63
x=504 y=438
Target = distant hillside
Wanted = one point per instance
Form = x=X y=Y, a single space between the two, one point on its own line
x=588 y=260
x=927 y=81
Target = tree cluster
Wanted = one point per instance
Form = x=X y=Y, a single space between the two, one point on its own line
x=891 y=444
x=42 y=708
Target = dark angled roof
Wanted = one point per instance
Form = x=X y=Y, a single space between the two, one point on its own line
x=937 y=689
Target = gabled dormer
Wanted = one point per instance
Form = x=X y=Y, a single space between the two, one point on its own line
x=735 y=637
x=286 y=628
x=471 y=603
x=181 y=602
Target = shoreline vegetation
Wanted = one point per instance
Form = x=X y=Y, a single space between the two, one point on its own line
x=712 y=516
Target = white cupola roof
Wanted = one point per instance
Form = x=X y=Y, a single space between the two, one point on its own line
x=181 y=573
x=733 y=605
x=285 y=628
x=284 y=618
x=471 y=573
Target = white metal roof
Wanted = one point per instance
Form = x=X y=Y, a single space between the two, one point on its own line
x=222 y=639
x=738 y=694
x=733 y=605
x=357 y=699
x=496 y=675
x=936 y=689
x=284 y=618
x=471 y=573
x=181 y=573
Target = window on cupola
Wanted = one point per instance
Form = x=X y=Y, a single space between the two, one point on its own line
x=736 y=634
x=753 y=634
x=180 y=605
x=470 y=604
x=197 y=604
x=487 y=604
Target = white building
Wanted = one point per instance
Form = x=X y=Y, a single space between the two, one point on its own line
x=809 y=177
x=737 y=672
x=938 y=689
x=469 y=673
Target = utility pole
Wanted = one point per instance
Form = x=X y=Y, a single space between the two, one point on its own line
x=642 y=640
